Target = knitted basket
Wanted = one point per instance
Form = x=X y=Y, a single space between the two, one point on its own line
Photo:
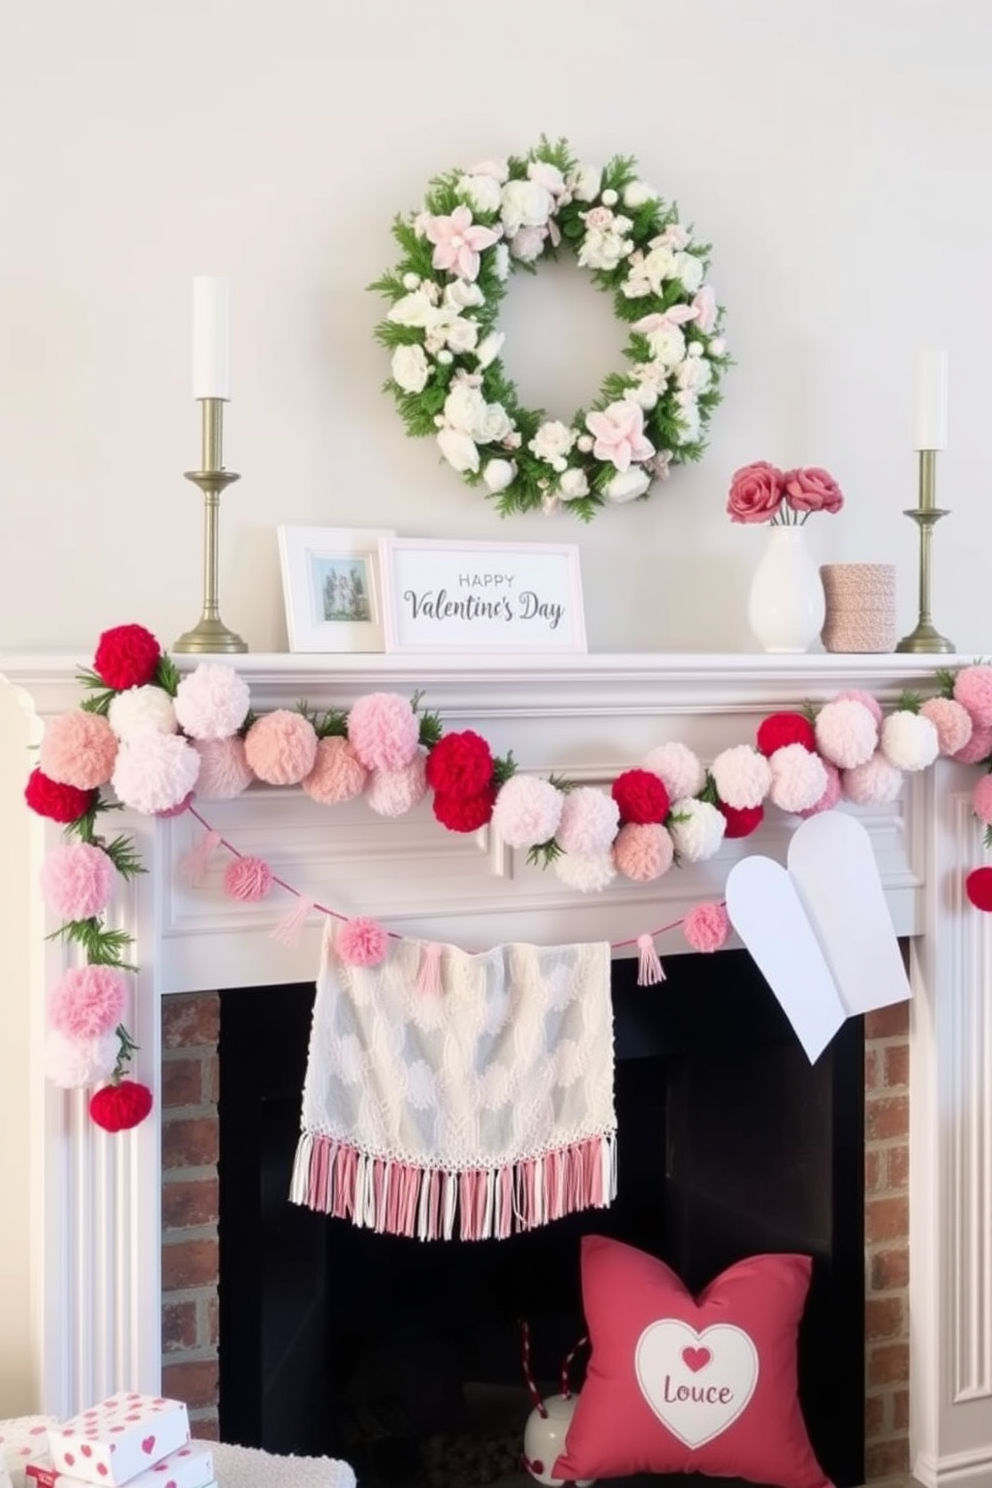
x=861 y=606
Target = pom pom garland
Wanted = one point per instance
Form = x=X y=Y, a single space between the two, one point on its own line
x=784 y=728
x=973 y=690
x=875 y=783
x=981 y=800
x=224 y=769
x=78 y=749
x=978 y=748
x=799 y=778
x=73 y=1063
x=60 y=803
x=643 y=851
x=337 y=775
x=952 y=722
x=141 y=710
x=77 y=881
x=909 y=741
x=680 y=770
x=395 y=792
x=587 y=875
x=858 y=695
x=830 y=796
x=155 y=772
x=464 y=813
x=281 y=747
x=212 y=702
x=589 y=822
x=247 y=879
x=361 y=942
x=741 y=823
x=697 y=829
x=460 y=764
x=527 y=811
x=846 y=733
x=87 y=1001
x=384 y=731
x=127 y=656
x=640 y=796
x=742 y=776
x=706 y=928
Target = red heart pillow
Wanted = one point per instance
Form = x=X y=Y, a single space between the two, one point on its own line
x=678 y=1384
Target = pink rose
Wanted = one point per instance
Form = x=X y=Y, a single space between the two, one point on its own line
x=813 y=490
x=756 y=493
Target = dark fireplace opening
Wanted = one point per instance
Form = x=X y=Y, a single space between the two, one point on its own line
x=404 y=1357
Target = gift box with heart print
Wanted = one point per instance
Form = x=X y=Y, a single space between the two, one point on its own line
x=191 y=1467
x=113 y=1442
x=22 y=1440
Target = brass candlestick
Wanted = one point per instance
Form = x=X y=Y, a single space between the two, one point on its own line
x=210 y=634
x=926 y=637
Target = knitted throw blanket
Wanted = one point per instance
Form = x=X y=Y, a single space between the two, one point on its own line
x=476 y=1109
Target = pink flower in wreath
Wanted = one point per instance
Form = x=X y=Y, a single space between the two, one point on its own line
x=458 y=241
x=619 y=434
x=812 y=490
x=756 y=493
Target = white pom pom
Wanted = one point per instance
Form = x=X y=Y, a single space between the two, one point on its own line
x=142 y=710
x=74 y=1063
x=587 y=875
x=742 y=776
x=681 y=772
x=846 y=733
x=697 y=829
x=909 y=741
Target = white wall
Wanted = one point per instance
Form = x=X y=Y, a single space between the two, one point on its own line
x=837 y=156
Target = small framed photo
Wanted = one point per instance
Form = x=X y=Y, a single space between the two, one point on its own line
x=332 y=585
x=482 y=596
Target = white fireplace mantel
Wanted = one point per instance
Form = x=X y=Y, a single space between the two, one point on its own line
x=96 y=1205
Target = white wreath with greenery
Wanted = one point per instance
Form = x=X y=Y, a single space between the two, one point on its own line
x=479 y=225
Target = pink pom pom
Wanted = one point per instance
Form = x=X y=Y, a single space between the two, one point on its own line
x=588 y=823
x=87 y=1001
x=212 y=702
x=338 y=774
x=981 y=800
x=395 y=792
x=977 y=749
x=155 y=771
x=528 y=811
x=643 y=851
x=799 y=778
x=224 y=769
x=248 y=879
x=384 y=731
x=846 y=732
x=875 y=783
x=830 y=796
x=361 y=942
x=972 y=689
x=953 y=723
x=77 y=881
x=858 y=695
x=78 y=749
x=706 y=927
x=281 y=747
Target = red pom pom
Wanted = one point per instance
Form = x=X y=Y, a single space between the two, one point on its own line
x=62 y=803
x=785 y=728
x=460 y=765
x=741 y=820
x=641 y=797
x=978 y=887
x=465 y=813
x=127 y=656
x=119 y=1107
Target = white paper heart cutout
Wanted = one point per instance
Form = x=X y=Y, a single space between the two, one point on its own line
x=696 y=1383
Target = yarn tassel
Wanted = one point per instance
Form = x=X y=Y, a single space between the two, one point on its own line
x=194 y=865
x=287 y=931
x=649 y=968
x=429 y=974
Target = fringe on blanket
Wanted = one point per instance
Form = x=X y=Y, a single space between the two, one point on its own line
x=398 y=1198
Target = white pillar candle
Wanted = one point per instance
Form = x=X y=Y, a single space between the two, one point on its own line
x=211 y=313
x=931 y=401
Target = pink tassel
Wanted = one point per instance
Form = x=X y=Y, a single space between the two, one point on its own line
x=287 y=931
x=429 y=975
x=649 y=969
x=194 y=865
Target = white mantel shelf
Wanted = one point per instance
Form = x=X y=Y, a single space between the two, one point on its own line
x=96 y=1204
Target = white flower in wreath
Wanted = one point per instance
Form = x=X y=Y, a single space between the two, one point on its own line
x=483 y=192
x=603 y=249
x=412 y=309
x=463 y=294
x=584 y=182
x=410 y=368
x=498 y=169
x=627 y=485
x=552 y=442
x=459 y=449
x=694 y=374
x=489 y=348
x=464 y=407
x=638 y=194
x=650 y=274
x=546 y=175
x=573 y=484
x=527 y=245
x=461 y=334
x=498 y=474
x=420 y=223
x=674 y=236
x=689 y=271
x=494 y=425
x=501 y=262
x=665 y=339
x=525 y=204
x=652 y=380
x=688 y=419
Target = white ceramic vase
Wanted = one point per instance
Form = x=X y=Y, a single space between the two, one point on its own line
x=785 y=607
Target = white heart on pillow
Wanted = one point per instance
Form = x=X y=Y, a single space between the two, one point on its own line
x=696 y=1383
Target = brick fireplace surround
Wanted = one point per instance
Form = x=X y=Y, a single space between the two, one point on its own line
x=126 y=1264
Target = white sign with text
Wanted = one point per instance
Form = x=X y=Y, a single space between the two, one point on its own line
x=478 y=596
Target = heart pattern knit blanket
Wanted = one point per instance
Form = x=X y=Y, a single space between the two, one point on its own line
x=476 y=1109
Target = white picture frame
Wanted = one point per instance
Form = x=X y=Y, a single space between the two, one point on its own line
x=332 y=587
x=448 y=596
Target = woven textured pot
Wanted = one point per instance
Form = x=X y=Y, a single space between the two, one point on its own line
x=860 y=607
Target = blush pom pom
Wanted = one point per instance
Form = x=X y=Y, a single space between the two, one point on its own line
x=337 y=775
x=697 y=830
x=846 y=732
x=875 y=783
x=527 y=811
x=978 y=887
x=155 y=772
x=384 y=731
x=395 y=792
x=909 y=741
x=224 y=769
x=79 y=749
x=212 y=702
x=706 y=927
x=281 y=748
x=587 y=875
x=831 y=795
x=588 y=824
x=643 y=851
x=361 y=942
x=981 y=800
x=74 y=1063
x=248 y=879
x=142 y=710
x=973 y=690
x=77 y=881
x=799 y=778
x=680 y=770
x=87 y=1001
x=858 y=695
x=953 y=723
x=978 y=748
x=742 y=776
